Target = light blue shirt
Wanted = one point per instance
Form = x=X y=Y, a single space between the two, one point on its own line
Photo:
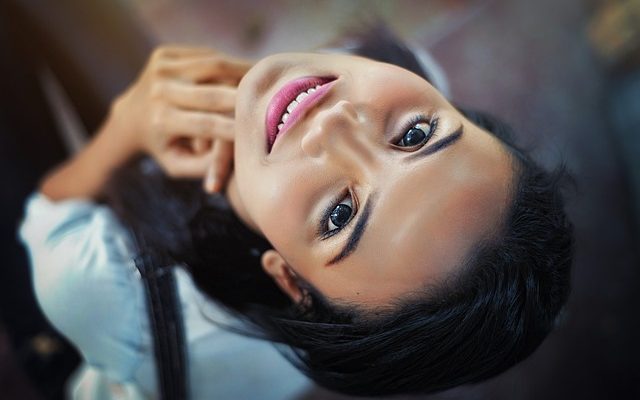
x=87 y=285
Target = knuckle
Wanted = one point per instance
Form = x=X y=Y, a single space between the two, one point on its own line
x=227 y=97
x=156 y=119
x=207 y=124
x=157 y=90
x=160 y=68
x=160 y=52
x=210 y=98
x=216 y=63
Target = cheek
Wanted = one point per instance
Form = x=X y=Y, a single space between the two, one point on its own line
x=278 y=205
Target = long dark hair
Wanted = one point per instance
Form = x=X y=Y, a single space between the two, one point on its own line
x=488 y=319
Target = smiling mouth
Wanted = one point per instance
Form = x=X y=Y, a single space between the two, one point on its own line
x=291 y=103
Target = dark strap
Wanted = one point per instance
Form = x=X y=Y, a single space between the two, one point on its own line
x=167 y=326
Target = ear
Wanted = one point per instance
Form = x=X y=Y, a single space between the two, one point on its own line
x=284 y=276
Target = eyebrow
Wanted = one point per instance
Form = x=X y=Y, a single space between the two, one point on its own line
x=437 y=146
x=357 y=232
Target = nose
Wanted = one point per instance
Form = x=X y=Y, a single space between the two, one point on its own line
x=338 y=133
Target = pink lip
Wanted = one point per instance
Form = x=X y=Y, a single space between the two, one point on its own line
x=278 y=104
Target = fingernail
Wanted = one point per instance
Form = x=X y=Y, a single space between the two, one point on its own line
x=211 y=184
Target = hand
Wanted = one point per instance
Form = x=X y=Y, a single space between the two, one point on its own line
x=181 y=112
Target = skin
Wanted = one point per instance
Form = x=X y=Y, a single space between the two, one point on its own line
x=430 y=211
x=178 y=111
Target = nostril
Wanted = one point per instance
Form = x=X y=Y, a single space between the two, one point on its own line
x=310 y=142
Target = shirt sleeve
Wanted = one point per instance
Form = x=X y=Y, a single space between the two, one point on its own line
x=86 y=282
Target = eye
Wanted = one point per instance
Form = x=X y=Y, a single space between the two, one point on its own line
x=339 y=215
x=417 y=134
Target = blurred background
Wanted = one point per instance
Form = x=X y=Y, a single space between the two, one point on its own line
x=565 y=74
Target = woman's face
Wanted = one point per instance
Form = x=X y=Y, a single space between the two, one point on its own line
x=376 y=186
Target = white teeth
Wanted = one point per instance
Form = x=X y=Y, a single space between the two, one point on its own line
x=292 y=106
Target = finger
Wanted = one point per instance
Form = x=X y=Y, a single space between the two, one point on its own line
x=203 y=69
x=209 y=97
x=197 y=124
x=210 y=184
x=220 y=167
x=200 y=145
x=176 y=51
x=180 y=164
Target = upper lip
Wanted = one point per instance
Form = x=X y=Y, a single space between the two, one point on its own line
x=285 y=96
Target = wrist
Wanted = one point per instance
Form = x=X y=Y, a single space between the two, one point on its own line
x=119 y=131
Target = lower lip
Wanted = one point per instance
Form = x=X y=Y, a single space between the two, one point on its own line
x=278 y=104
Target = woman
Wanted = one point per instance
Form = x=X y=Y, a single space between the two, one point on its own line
x=394 y=242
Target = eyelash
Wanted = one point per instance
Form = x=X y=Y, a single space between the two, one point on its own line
x=323 y=233
x=322 y=229
x=415 y=120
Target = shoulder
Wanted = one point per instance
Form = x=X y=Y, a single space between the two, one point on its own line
x=75 y=244
x=86 y=282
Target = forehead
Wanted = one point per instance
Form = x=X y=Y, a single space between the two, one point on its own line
x=427 y=220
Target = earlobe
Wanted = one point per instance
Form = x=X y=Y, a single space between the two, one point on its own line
x=275 y=266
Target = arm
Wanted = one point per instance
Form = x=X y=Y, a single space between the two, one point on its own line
x=179 y=111
x=84 y=175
